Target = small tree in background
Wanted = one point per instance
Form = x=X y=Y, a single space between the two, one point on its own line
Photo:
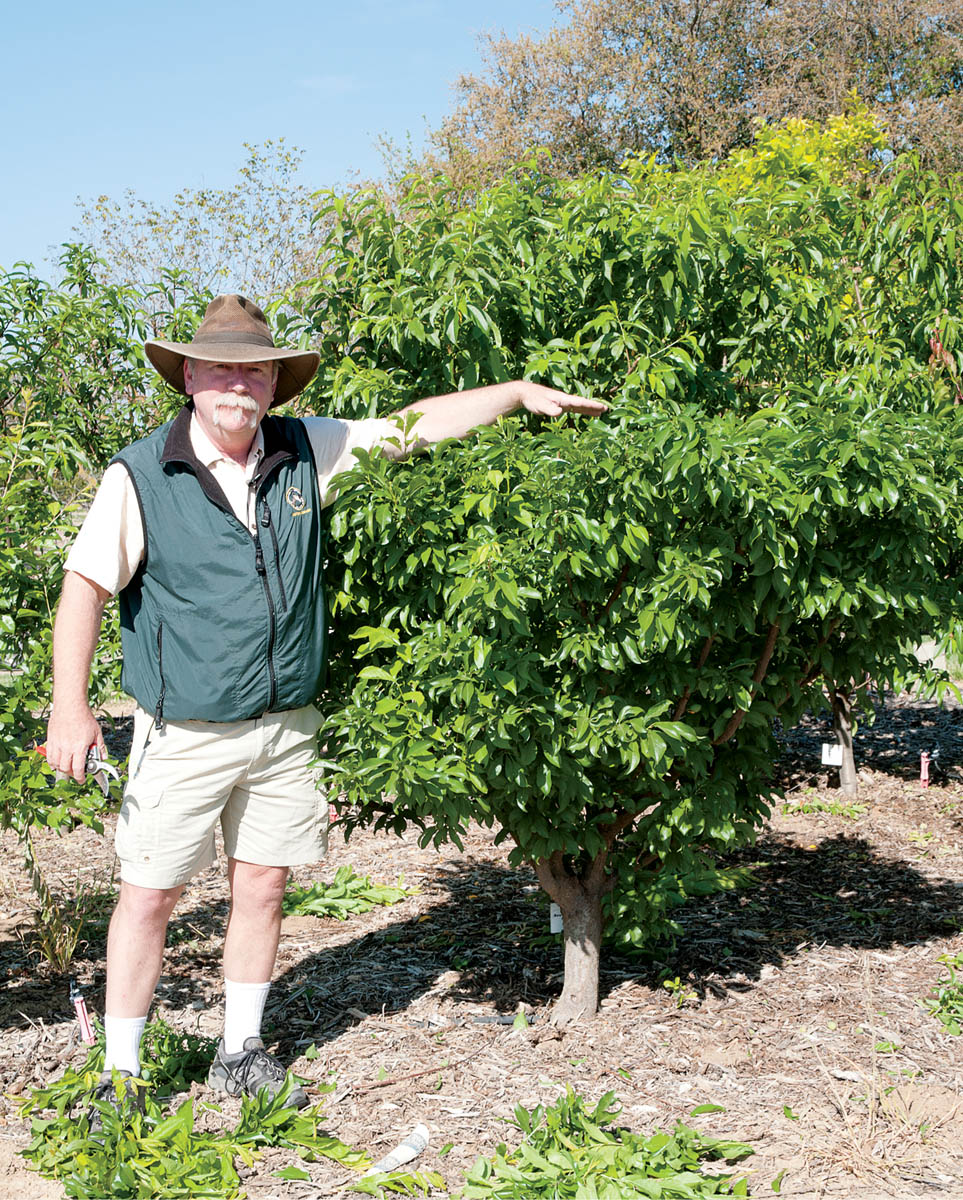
x=256 y=236
x=74 y=388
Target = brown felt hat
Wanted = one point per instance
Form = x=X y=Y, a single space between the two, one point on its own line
x=234 y=330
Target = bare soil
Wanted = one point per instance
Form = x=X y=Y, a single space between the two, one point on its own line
x=798 y=1011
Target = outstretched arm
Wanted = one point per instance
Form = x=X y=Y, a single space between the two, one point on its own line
x=455 y=414
x=72 y=727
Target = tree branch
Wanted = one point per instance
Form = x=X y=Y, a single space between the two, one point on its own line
x=683 y=702
x=808 y=675
x=762 y=666
x=611 y=832
x=595 y=879
x=617 y=590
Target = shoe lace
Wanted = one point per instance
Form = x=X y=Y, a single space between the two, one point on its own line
x=121 y=1097
x=258 y=1062
x=107 y=1090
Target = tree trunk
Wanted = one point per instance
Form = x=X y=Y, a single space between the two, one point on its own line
x=580 y=900
x=843 y=727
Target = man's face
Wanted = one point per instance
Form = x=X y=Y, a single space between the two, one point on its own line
x=230 y=397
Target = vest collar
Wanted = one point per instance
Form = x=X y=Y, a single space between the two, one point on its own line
x=178 y=449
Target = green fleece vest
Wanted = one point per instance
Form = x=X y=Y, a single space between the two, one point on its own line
x=219 y=624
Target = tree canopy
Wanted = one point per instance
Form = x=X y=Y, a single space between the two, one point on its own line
x=256 y=236
x=583 y=638
x=691 y=80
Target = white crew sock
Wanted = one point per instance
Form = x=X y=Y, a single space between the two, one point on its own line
x=123 y=1043
x=243 y=1010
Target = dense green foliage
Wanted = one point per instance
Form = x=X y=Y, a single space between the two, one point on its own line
x=583 y=638
x=571 y=1150
x=559 y=634
x=163 y=1154
x=732 y=287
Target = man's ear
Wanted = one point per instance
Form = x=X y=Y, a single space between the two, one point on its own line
x=188 y=377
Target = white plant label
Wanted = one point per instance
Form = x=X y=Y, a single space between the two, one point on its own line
x=832 y=754
x=555 y=924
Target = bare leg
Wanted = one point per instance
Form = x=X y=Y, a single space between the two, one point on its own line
x=135 y=947
x=254 y=926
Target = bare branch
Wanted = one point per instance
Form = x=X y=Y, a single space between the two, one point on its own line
x=762 y=666
x=683 y=702
x=620 y=584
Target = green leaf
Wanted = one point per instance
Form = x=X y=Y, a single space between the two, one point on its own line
x=291 y=1173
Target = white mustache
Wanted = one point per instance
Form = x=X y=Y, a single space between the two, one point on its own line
x=244 y=403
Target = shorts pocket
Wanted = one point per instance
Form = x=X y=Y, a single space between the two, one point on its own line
x=137 y=838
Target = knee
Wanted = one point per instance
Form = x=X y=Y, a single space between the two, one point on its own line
x=147 y=906
x=258 y=889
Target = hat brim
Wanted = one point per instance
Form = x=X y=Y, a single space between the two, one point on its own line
x=296 y=367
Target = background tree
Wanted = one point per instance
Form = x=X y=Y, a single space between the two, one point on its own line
x=690 y=79
x=256 y=237
x=74 y=388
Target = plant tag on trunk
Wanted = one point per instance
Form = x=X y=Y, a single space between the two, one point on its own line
x=555 y=923
x=832 y=754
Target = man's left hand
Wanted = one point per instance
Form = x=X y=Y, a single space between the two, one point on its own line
x=549 y=402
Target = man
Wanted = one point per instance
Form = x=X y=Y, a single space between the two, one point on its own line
x=209 y=531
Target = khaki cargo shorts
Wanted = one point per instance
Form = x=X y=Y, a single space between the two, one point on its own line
x=255 y=777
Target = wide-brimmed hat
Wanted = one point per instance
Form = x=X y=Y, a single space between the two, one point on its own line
x=235 y=330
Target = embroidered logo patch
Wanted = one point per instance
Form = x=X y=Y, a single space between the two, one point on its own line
x=297 y=502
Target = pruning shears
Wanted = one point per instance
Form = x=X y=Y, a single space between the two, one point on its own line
x=96 y=767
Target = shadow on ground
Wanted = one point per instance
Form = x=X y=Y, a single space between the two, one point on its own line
x=490 y=936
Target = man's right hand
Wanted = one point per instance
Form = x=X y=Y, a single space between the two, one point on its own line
x=72 y=729
x=70 y=734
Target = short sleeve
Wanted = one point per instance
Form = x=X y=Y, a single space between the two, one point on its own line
x=110 y=545
x=333 y=443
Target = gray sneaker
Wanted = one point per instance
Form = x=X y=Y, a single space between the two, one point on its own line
x=251 y=1071
x=126 y=1098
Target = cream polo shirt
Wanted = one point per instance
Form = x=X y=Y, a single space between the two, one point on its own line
x=110 y=544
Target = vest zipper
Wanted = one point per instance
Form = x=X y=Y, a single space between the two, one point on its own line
x=159 y=710
x=266 y=521
x=272 y=622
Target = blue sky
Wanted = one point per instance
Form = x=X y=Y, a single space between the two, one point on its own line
x=105 y=96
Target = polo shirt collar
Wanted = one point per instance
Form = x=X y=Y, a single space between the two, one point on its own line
x=207 y=453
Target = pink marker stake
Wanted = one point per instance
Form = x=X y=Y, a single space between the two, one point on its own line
x=80 y=1004
x=924 y=769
